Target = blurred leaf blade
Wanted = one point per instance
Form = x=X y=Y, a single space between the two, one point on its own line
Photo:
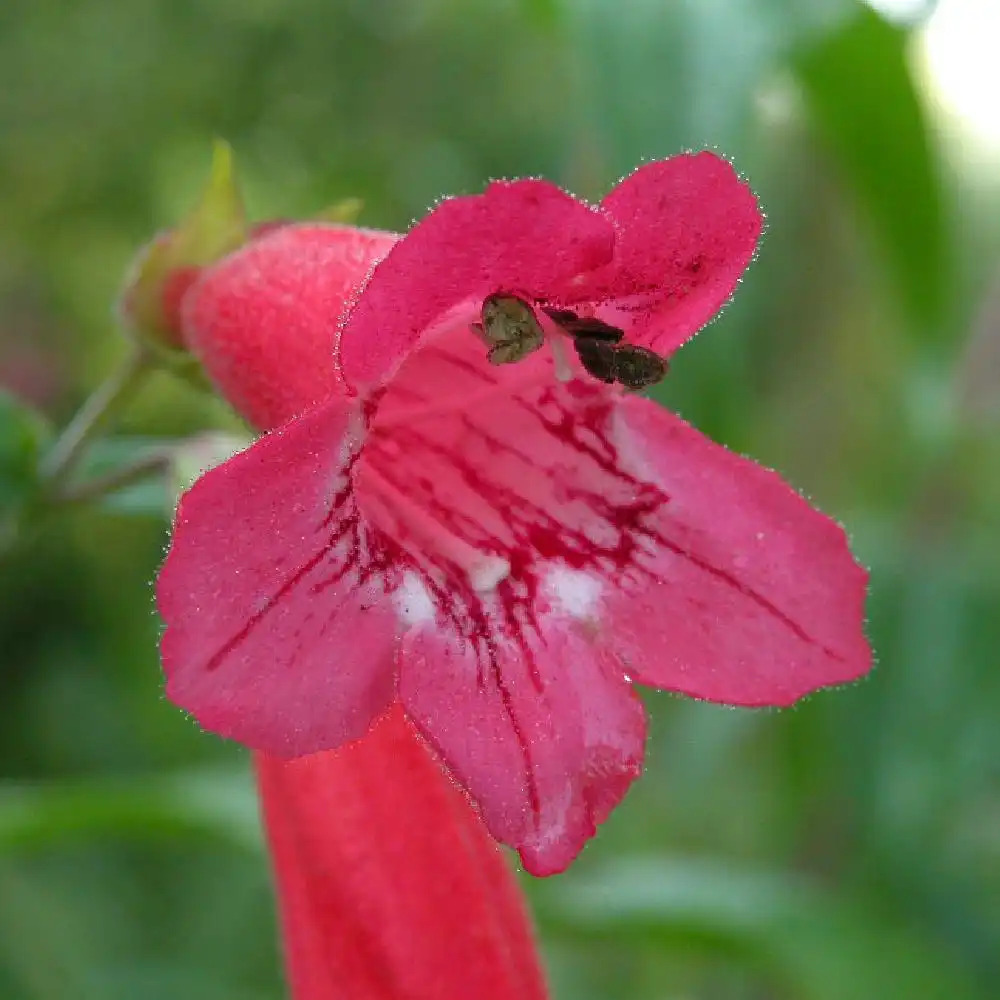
x=206 y=802
x=41 y=955
x=544 y=13
x=23 y=434
x=810 y=943
x=659 y=77
x=150 y=497
x=864 y=101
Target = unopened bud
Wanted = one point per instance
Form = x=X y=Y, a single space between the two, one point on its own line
x=167 y=266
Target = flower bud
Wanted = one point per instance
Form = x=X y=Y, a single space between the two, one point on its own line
x=167 y=266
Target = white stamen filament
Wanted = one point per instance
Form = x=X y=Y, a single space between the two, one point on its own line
x=560 y=358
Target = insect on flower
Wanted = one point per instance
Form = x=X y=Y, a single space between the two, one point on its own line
x=636 y=367
x=600 y=352
x=509 y=327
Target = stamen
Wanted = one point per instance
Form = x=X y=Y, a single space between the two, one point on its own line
x=560 y=358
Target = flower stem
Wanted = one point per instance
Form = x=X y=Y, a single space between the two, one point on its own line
x=92 y=417
x=154 y=463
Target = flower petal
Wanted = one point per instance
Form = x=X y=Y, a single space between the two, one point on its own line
x=277 y=632
x=687 y=228
x=525 y=236
x=545 y=733
x=753 y=597
x=388 y=884
x=262 y=318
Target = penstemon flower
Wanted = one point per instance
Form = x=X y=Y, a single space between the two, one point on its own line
x=498 y=537
x=388 y=885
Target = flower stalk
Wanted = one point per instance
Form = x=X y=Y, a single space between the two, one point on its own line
x=91 y=419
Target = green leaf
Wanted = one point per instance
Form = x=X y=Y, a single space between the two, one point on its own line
x=811 y=944
x=658 y=77
x=42 y=955
x=149 y=473
x=151 y=497
x=863 y=99
x=213 y=802
x=146 y=499
x=544 y=13
x=23 y=433
x=111 y=452
x=167 y=980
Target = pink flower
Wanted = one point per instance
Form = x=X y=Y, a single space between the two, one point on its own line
x=383 y=871
x=500 y=549
x=388 y=888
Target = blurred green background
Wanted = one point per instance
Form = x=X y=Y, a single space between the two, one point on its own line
x=849 y=848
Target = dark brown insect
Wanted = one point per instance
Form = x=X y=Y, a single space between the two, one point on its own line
x=599 y=348
x=638 y=367
x=584 y=326
x=597 y=356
